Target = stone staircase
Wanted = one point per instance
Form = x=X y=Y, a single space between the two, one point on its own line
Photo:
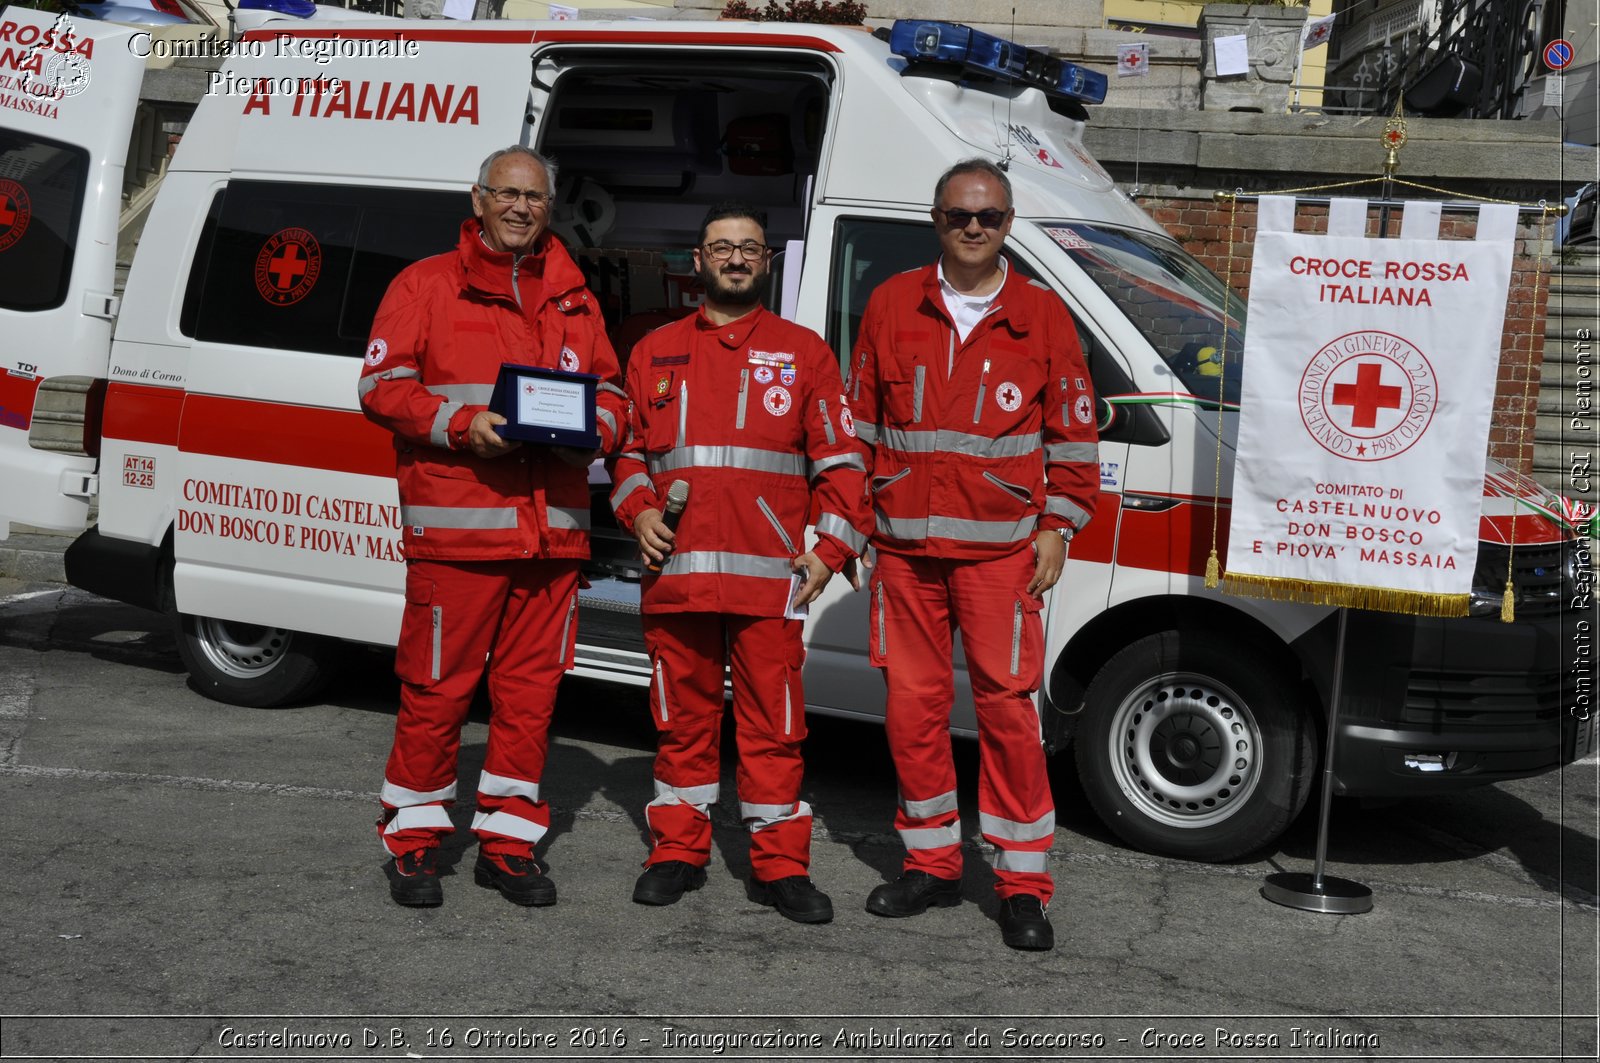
x=1567 y=434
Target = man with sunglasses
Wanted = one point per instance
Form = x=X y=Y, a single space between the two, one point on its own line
x=748 y=410
x=972 y=395
x=494 y=531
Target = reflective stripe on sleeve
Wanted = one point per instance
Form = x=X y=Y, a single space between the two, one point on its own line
x=502 y=786
x=628 y=487
x=490 y=518
x=760 y=817
x=1013 y=831
x=608 y=386
x=822 y=465
x=933 y=806
x=1060 y=507
x=502 y=822
x=398 y=796
x=1020 y=861
x=420 y=817
x=932 y=837
x=367 y=383
x=463 y=394
x=867 y=433
x=439 y=435
x=606 y=418
x=1073 y=452
x=839 y=528
x=751 y=459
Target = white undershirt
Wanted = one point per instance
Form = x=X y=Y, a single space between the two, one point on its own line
x=967 y=310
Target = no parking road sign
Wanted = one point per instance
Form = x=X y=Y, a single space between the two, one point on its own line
x=1558 y=54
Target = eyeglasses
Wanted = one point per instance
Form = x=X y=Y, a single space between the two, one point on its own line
x=722 y=250
x=989 y=217
x=508 y=196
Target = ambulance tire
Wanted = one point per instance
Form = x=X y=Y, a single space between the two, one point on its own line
x=1194 y=745
x=258 y=667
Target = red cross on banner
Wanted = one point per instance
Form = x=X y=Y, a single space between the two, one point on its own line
x=1367 y=396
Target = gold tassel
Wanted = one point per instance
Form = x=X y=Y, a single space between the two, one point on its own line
x=1213 y=570
x=1508 y=607
x=1314 y=592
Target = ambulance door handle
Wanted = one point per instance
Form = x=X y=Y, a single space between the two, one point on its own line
x=102 y=304
x=76 y=484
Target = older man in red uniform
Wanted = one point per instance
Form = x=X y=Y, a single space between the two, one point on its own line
x=494 y=531
x=973 y=395
x=749 y=411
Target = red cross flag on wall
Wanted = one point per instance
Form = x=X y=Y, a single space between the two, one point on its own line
x=1368 y=382
x=1133 y=60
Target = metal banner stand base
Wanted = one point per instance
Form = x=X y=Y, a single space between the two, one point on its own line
x=1317 y=892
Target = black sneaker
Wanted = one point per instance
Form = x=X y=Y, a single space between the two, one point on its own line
x=520 y=879
x=795 y=898
x=1024 y=924
x=414 y=879
x=912 y=893
x=665 y=882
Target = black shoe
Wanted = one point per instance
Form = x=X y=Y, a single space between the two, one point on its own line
x=912 y=893
x=1023 y=924
x=795 y=898
x=665 y=882
x=520 y=879
x=414 y=879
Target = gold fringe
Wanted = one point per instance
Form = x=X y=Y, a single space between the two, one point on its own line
x=1508 y=604
x=1213 y=570
x=1314 y=592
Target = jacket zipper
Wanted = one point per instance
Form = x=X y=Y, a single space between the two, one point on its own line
x=827 y=425
x=566 y=629
x=950 y=356
x=788 y=543
x=917 y=391
x=683 y=413
x=983 y=385
x=1016 y=639
x=744 y=390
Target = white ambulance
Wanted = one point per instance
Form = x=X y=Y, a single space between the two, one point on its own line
x=240 y=489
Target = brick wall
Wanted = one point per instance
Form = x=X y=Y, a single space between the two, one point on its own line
x=1202 y=226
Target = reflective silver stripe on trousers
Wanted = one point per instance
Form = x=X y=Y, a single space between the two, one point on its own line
x=490 y=518
x=718 y=457
x=968 y=444
x=503 y=786
x=399 y=796
x=438 y=639
x=566 y=629
x=367 y=383
x=714 y=562
x=439 y=433
x=1060 y=507
x=822 y=465
x=1012 y=831
x=932 y=837
x=697 y=797
x=1072 y=452
x=567 y=518
x=626 y=488
x=661 y=697
x=883 y=633
x=420 y=817
x=971 y=531
x=1016 y=638
x=867 y=433
x=1024 y=862
x=933 y=806
x=502 y=822
x=760 y=817
x=464 y=394
x=840 y=529
x=827 y=425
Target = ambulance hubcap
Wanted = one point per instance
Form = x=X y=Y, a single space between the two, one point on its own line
x=244 y=651
x=1185 y=750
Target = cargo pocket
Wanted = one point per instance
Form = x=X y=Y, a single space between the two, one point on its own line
x=794 y=699
x=878 y=626
x=569 y=634
x=660 y=696
x=1027 y=641
x=419 y=656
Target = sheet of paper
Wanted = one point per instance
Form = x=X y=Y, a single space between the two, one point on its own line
x=460 y=9
x=789 y=611
x=1232 y=55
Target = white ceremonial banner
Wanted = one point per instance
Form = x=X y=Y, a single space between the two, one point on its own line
x=1369 y=380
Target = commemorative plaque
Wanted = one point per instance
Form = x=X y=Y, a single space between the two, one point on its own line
x=546 y=406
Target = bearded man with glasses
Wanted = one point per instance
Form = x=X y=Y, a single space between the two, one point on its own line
x=494 y=531
x=973 y=398
x=748 y=410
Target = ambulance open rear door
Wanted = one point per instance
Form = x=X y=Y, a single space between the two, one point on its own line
x=68 y=91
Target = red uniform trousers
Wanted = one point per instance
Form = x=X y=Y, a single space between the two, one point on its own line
x=522 y=616
x=687 y=655
x=916 y=603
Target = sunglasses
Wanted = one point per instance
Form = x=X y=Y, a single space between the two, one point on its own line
x=989 y=217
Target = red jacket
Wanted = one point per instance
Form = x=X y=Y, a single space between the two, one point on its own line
x=975 y=446
x=443 y=330
x=753 y=416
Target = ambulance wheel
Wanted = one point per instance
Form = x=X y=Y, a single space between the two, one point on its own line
x=247 y=664
x=1196 y=745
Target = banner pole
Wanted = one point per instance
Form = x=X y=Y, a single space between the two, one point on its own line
x=1317 y=892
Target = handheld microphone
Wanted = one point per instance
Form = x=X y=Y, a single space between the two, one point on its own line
x=677 y=498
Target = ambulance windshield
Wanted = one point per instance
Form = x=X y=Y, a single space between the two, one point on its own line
x=1171 y=297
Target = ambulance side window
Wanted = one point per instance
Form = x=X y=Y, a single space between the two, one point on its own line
x=303 y=267
x=41 y=202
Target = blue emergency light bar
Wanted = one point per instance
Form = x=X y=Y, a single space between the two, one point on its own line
x=976 y=52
